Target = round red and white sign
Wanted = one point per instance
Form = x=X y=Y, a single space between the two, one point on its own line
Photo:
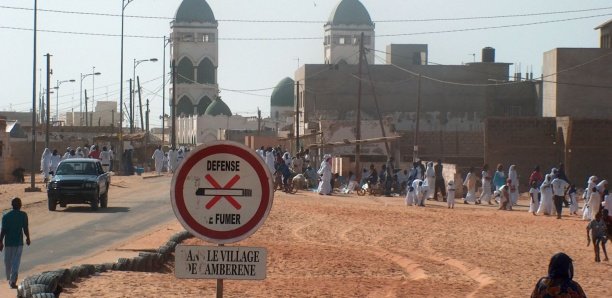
x=222 y=192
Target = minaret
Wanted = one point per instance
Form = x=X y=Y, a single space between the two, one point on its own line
x=195 y=51
x=342 y=31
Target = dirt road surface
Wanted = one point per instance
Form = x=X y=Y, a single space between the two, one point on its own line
x=349 y=246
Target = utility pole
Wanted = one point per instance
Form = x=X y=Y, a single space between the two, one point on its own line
x=415 y=153
x=86 y=111
x=146 y=133
x=140 y=102
x=258 y=121
x=358 y=124
x=173 y=106
x=297 y=117
x=131 y=110
x=33 y=187
x=48 y=103
x=164 y=94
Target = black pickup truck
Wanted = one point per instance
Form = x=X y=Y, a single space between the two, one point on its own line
x=79 y=181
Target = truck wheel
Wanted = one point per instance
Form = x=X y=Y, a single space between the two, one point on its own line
x=52 y=204
x=95 y=200
x=104 y=199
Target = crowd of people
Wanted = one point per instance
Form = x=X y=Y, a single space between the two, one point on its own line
x=50 y=159
x=168 y=161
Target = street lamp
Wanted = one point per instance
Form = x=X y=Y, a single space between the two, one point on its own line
x=124 y=4
x=83 y=76
x=59 y=83
x=166 y=42
x=33 y=187
x=136 y=63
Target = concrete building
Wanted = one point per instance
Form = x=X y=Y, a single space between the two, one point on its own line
x=343 y=30
x=195 y=52
x=454 y=100
x=576 y=80
x=106 y=113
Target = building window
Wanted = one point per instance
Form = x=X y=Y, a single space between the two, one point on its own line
x=207 y=37
x=185 y=71
x=184 y=107
x=206 y=72
x=203 y=105
x=187 y=37
x=341 y=40
x=513 y=111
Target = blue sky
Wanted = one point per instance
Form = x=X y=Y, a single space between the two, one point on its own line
x=260 y=64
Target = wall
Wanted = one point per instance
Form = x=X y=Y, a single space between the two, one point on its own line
x=330 y=92
x=524 y=142
x=575 y=91
x=587 y=149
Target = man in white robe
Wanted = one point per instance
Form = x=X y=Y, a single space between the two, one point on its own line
x=158 y=157
x=325 y=172
x=172 y=160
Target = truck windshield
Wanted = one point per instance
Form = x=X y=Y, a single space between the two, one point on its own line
x=77 y=168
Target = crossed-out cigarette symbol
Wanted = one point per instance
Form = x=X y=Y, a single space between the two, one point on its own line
x=223 y=191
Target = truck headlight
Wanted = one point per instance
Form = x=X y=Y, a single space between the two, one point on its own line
x=53 y=185
x=90 y=185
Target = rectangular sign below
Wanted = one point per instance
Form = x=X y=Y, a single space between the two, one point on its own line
x=220 y=262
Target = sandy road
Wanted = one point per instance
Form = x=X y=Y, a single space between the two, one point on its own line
x=348 y=246
x=66 y=236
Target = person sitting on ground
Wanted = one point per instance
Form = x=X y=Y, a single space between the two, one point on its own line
x=504 y=198
x=597 y=232
x=560 y=279
x=373 y=178
x=311 y=177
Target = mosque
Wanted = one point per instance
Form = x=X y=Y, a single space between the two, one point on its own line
x=329 y=93
x=468 y=114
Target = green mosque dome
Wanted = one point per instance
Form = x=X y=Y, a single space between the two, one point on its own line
x=218 y=107
x=283 y=96
x=194 y=11
x=350 y=12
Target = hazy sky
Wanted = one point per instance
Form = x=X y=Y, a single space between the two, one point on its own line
x=261 y=64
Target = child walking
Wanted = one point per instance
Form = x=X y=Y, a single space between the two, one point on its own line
x=534 y=193
x=573 y=200
x=451 y=194
x=598 y=233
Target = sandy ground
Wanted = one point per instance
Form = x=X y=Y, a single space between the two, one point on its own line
x=349 y=246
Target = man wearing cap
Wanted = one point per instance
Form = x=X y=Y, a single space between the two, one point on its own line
x=14 y=226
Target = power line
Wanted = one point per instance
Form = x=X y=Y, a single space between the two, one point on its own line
x=314 y=21
x=495 y=27
x=319 y=38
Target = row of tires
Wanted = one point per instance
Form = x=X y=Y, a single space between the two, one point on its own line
x=50 y=284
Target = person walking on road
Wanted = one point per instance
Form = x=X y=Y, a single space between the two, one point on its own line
x=439 y=184
x=158 y=157
x=14 y=226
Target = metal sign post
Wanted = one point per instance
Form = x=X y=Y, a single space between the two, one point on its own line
x=222 y=193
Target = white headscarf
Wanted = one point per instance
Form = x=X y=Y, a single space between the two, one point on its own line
x=602 y=186
x=512 y=175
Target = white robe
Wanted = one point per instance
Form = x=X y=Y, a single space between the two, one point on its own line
x=172 y=160
x=470 y=183
x=586 y=211
x=485 y=196
x=45 y=162
x=410 y=197
x=450 y=196
x=573 y=203
x=55 y=160
x=326 y=174
x=546 y=203
x=158 y=156
x=594 y=205
x=533 y=200
x=430 y=176
x=270 y=161
x=514 y=185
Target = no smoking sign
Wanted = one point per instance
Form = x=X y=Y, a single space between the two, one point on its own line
x=222 y=192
